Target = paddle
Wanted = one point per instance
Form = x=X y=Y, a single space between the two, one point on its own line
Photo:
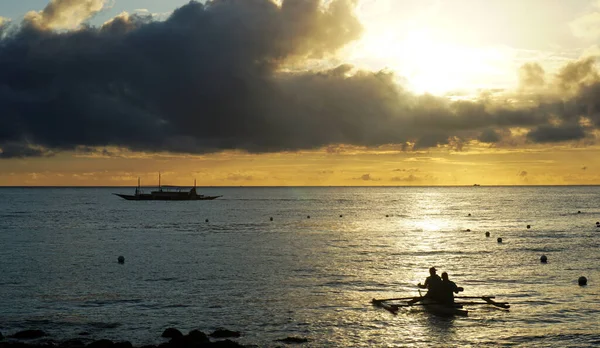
x=395 y=299
x=480 y=303
x=482 y=297
x=494 y=303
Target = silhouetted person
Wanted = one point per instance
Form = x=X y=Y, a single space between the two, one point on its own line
x=432 y=284
x=447 y=290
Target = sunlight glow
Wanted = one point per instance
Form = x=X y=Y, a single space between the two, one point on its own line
x=429 y=63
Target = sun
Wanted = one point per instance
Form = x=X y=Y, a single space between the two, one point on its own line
x=427 y=62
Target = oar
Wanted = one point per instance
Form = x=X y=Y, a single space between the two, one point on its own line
x=480 y=303
x=494 y=303
x=475 y=297
x=395 y=299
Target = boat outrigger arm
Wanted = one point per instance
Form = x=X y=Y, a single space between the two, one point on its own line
x=435 y=307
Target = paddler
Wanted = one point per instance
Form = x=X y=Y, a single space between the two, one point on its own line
x=433 y=285
x=447 y=290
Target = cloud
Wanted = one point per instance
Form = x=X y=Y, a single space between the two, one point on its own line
x=409 y=178
x=18 y=150
x=226 y=75
x=366 y=177
x=551 y=134
x=523 y=174
x=586 y=26
x=239 y=177
x=64 y=14
x=531 y=75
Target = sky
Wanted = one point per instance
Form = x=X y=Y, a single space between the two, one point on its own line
x=299 y=92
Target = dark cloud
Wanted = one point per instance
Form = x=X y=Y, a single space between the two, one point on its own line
x=489 y=136
x=218 y=76
x=18 y=150
x=531 y=75
x=552 y=134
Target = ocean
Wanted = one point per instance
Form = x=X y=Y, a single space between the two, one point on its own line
x=311 y=272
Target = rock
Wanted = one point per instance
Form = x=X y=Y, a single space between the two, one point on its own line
x=171 y=333
x=123 y=344
x=101 y=344
x=197 y=336
x=72 y=343
x=293 y=340
x=29 y=334
x=223 y=333
x=226 y=344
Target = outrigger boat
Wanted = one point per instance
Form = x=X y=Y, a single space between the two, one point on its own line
x=393 y=305
x=166 y=193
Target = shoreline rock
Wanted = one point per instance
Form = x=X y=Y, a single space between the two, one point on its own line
x=194 y=339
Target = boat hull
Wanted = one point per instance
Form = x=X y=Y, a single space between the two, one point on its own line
x=444 y=309
x=151 y=197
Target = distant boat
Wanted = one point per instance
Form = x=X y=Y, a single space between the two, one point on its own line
x=166 y=193
x=476 y=185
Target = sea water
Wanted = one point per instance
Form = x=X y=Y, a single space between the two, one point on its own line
x=311 y=272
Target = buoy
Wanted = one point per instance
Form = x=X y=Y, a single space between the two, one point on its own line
x=544 y=259
x=468 y=230
x=528 y=226
x=341 y=215
x=499 y=240
x=387 y=216
x=487 y=234
x=271 y=219
x=579 y=212
x=469 y=214
x=206 y=220
x=597 y=222
x=121 y=259
x=582 y=281
x=308 y=217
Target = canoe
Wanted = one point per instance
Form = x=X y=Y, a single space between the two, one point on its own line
x=392 y=305
x=444 y=309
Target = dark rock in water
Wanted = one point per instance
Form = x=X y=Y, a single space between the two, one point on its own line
x=197 y=336
x=123 y=344
x=171 y=333
x=226 y=344
x=101 y=344
x=72 y=343
x=29 y=334
x=293 y=340
x=222 y=333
